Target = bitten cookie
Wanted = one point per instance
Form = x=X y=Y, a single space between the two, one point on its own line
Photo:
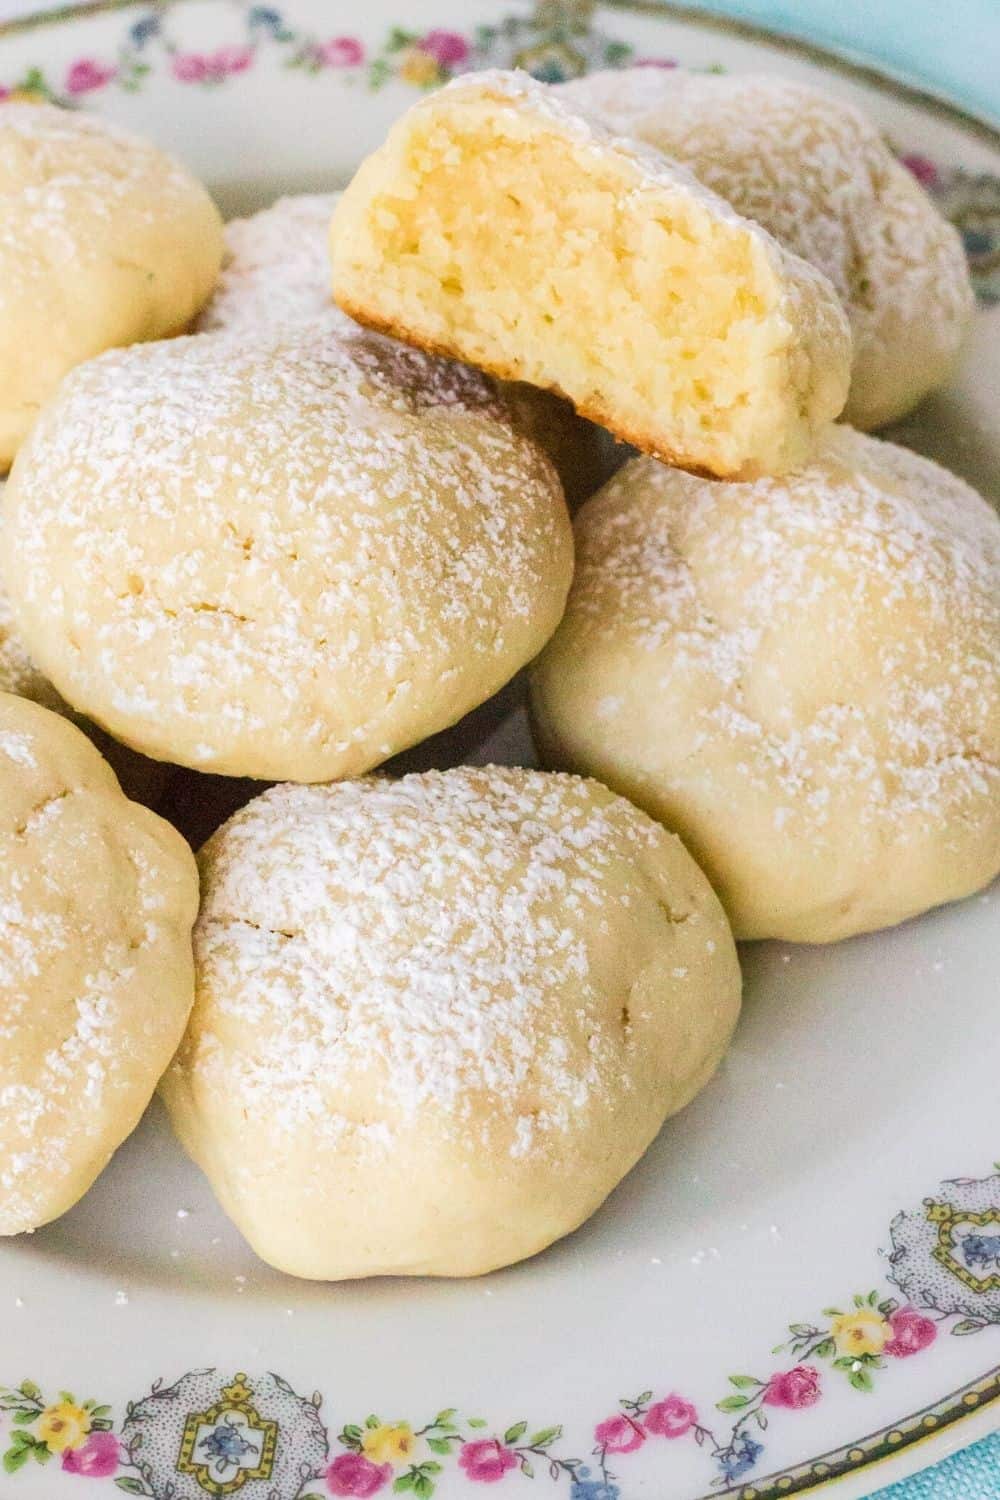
x=461 y=1004
x=816 y=173
x=499 y=225
x=104 y=240
x=277 y=271
x=98 y=896
x=800 y=676
x=282 y=556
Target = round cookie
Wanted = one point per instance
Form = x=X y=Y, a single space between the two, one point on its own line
x=142 y=779
x=800 y=676
x=98 y=898
x=277 y=271
x=817 y=174
x=286 y=556
x=104 y=240
x=460 y=1004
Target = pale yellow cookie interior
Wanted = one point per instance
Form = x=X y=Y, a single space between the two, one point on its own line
x=497 y=225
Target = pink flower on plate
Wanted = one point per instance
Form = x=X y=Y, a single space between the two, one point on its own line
x=87 y=74
x=487 y=1460
x=923 y=169
x=654 y=62
x=619 y=1434
x=4 y=92
x=230 y=60
x=341 y=52
x=793 y=1388
x=670 y=1418
x=97 y=1458
x=448 y=48
x=190 y=67
x=911 y=1332
x=353 y=1474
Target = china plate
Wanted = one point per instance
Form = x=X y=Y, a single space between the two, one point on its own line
x=802 y=1278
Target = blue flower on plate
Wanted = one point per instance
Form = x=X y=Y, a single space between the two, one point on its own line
x=740 y=1457
x=584 y=1487
x=264 y=15
x=225 y=1443
x=144 y=30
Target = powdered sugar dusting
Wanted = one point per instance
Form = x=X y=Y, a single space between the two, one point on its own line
x=815 y=173
x=888 y=566
x=410 y=940
x=279 y=534
x=86 y=917
x=18 y=673
x=63 y=166
x=277 y=270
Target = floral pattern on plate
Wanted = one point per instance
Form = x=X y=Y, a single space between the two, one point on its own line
x=209 y=1433
x=559 y=40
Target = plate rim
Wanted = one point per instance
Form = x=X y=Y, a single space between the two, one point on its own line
x=964 y=1424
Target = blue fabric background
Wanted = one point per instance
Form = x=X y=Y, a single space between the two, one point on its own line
x=950 y=46
x=972 y=1475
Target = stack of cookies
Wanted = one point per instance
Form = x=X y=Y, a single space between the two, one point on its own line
x=291 y=502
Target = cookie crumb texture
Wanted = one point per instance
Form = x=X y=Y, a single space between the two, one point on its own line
x=97 y=900
x=498 y=225
x=283 y=556
x=438 y=1019
x=104 y=240
x=818 y=175
x=800 y=676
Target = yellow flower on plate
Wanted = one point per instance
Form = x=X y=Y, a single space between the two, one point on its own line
x=862 y=1332
x=26 y=96
x=419 y=67
x=63 y=1426
x=389 y=1444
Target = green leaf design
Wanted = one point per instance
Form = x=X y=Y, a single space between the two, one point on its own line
x=832 y=1312
x=517 y=1431
x=373 y=1421
x=23 y=1415
x=760 y=1418
x=966 y=1326
x=861 y=1380
x=42 y=1454
x=21 y=1440
x=733 y=1403
x=351 y=1434
x=858 y=1301
x=845 y=1362
x=430 y=1468
x=404 y=1482
x=135 y=1486
x=444 y=1417
x=873 y=1299
x=439 y=1445
x=67 y=1396
x=526 y=1469
x=825 y=1349
x=14 y=1459
x=101 y=1411
x=646 y=1396
x=744 y=1382
x=30 y=1389
x=801 y=1330
x=545 y=1437
x=477 y=1422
